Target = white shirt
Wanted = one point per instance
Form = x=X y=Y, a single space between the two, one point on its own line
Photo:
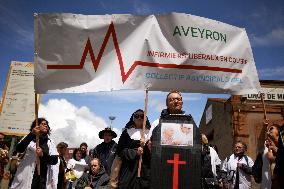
x=135 y=134
x=215 y=160
x=77 y=166
x=153 y=126
x=24 y=175
x=78 y=169
x=266 y=174
x=230 y=167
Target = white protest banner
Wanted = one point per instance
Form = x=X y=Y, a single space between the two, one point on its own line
x=89 y=53
x=17 y=110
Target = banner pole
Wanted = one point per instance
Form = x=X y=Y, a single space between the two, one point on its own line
x=266 y=124
x=37 y=136
x=143 y=132
x=264 y=111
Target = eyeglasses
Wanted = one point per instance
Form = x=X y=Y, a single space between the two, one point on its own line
x=173 y=99
x=136 y=116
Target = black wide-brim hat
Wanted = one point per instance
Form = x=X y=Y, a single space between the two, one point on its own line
x=108 y=130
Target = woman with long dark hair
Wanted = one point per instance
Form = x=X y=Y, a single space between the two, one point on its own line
x=27 y=175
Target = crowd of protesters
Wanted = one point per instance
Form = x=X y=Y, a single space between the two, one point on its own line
x=115 y=165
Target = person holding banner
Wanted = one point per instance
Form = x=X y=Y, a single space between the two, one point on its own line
x=129 y=150
x=27 y=175
x=162 y=156
x=271 y=143
x=279 y=167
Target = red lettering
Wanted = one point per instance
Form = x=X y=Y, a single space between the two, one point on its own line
x=150 y=53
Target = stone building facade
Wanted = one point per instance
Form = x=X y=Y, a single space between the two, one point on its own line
x=242 y=118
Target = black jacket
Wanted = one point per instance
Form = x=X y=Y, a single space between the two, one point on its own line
x=106 y=153
x=99 y=181
x=127 y=151
x=39 y=181
x=279 y=167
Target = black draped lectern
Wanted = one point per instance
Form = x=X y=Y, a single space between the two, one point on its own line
x=176 y=153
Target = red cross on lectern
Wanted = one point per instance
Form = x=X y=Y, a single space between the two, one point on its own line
x=176 y=162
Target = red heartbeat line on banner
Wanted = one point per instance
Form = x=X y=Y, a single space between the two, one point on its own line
x=124 y=76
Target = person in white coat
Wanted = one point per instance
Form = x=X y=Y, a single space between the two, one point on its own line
x=27 y=176
x=238 y=168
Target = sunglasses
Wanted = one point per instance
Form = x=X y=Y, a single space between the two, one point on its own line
x=136 y=116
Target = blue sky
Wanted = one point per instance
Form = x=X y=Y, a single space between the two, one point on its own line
x=262 y=19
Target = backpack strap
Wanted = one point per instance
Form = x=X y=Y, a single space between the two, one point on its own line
x=246 y=158
x=113 y=148
x=247 y=169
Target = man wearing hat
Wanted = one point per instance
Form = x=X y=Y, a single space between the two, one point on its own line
x=106 y=150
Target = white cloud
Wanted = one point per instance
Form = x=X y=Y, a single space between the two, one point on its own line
x=72 y=124
x=273 y=38
x=275 y=72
